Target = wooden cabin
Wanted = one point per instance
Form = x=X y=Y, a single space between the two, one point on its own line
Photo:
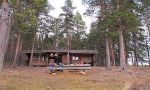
x=40 y=58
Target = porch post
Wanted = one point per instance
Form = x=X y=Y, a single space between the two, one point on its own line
x=68 y=57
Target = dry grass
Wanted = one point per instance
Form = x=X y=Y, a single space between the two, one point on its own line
x=140 y=85
x=25 y=78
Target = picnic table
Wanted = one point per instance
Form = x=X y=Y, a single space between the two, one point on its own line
x=72 y=67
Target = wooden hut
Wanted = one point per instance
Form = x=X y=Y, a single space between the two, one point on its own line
x=40 y=58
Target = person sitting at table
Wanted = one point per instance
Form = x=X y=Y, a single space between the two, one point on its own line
x=51 y=62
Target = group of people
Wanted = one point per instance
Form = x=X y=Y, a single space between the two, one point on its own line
x=54 y=59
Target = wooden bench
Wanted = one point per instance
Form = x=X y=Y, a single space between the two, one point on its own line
x=76 y=67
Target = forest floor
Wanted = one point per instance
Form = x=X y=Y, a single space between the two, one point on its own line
x=38 y=78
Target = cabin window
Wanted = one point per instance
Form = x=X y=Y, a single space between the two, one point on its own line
x=75 y=58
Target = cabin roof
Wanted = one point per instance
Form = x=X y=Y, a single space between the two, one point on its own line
x=64 y=51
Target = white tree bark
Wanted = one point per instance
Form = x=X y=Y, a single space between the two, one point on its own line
x=4 y=33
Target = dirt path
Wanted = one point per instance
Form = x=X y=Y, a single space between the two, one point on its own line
x=38 y=78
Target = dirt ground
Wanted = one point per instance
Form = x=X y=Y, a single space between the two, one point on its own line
x=38 y=78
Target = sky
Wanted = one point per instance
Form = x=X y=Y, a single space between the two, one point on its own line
x=79 y=7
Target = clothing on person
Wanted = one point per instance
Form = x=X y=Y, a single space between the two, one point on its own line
x=50 y=58
x=58 y=59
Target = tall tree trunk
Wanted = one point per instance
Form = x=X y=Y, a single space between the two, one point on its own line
x=56 y=35
x=108 y=66
x=148 y=27
x=17 y=49
x=142 y=64
x=149 y=61
x=20 y=54
x=147 y=23
x=78 y=40
x=148 y=52
x=3 y=32
x=122 y=48
x=32 y=50
x=149 y=58
x=107 y=61
x=121 y=43
x=39 y=59
x=126 y=57
x=135 y=50
x=135 y=58
x=68 y=46
x=112 y=52
x=132 y=59
x=11 y=51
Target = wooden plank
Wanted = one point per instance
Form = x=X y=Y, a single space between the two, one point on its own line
x=77 y=65
x=69 y=68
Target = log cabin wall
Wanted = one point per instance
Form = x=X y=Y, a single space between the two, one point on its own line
x=76 y=57
x=81 y=59
x=64 y=59
x=39 y=62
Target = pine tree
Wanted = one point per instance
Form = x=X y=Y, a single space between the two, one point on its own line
x=68 y=23
x=117 y=16
x=4 y=31
x=78 y=32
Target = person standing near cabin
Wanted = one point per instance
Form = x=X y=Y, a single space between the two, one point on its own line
x=59 y=59
x=51 y=62
x=50 y=59
x=56 y=59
